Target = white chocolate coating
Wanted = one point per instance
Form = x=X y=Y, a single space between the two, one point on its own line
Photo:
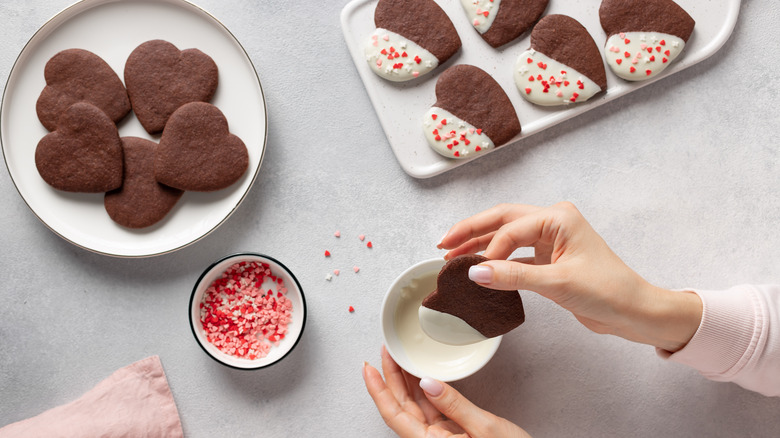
x=452 y=137
x=545 y=81
x=481 y=13
x=397 y=59
x=425 y=352
x=636 y=56
x=448 y=329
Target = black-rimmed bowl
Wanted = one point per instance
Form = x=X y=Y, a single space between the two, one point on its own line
x=278 y=350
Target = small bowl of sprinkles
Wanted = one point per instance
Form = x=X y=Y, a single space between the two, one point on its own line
x=247 y=311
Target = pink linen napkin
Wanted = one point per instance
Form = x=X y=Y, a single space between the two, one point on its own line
x=135 y=401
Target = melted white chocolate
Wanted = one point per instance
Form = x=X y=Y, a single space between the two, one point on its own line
x=448 y=329
x=425 y=352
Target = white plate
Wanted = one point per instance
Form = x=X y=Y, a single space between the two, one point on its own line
x=400 y=106
x=112 y=29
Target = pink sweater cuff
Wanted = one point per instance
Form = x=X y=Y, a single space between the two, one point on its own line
x=737 y=339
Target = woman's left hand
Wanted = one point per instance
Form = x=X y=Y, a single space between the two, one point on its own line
x=415 y=408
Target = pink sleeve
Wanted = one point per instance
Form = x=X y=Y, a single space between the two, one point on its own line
x=738 y=339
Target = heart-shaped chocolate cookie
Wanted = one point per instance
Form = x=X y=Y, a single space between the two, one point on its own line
x=490 y=312
x=472 y=114
x=502 y=21
x=77 y=75
x=160 y=78
x=643 y=36
x=84 y=153
x=412 y=37
x=563 y=65
x=197 y=151
x=141 y=201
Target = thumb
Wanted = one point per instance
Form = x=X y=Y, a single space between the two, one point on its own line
x=453 y=405
x=513 y=275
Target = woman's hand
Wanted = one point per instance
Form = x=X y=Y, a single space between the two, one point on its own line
x=428 y=408
x=575 y=268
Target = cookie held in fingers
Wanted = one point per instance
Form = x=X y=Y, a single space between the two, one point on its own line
x=643 y=36
x=502 y=21
x=412 y=37
x=141 y=201
x=462 y=312
x=197 y=151
x=160 y=78
x=84 y=153
x=471 y=116
x=77 y=75
x=563 y=65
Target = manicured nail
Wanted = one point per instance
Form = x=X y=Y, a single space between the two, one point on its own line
x=365 y=364
x=432 y=387
x=481 y=274
x=438 y=245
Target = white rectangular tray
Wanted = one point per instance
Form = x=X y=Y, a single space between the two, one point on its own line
x=400 y=106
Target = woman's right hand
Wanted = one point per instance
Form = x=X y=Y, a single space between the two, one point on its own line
x=575 y=268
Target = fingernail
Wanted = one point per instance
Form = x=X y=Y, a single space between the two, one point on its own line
x=432 y=387
x=481 y=274
x=363 y=370
x=438 y=245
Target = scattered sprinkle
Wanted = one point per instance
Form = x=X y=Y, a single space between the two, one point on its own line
x=351 y=309
x=356 y=269
x=336 y=272
x=337 y=233
x=329 y=277
x=327 y=253
x=361 y=237
x=369 y=244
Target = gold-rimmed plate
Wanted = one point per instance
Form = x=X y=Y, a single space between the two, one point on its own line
x=112 y=29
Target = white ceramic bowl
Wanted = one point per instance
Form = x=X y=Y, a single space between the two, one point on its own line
x=409 y=346
x=294 y=294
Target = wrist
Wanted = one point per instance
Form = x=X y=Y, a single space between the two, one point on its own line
x=664 y=318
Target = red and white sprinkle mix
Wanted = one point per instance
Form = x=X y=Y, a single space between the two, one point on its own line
x=645 y=53
x=245 y=312
x=545 y=81
x=452 y=137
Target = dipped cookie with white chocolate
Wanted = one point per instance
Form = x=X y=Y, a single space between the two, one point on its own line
x=461 y=312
